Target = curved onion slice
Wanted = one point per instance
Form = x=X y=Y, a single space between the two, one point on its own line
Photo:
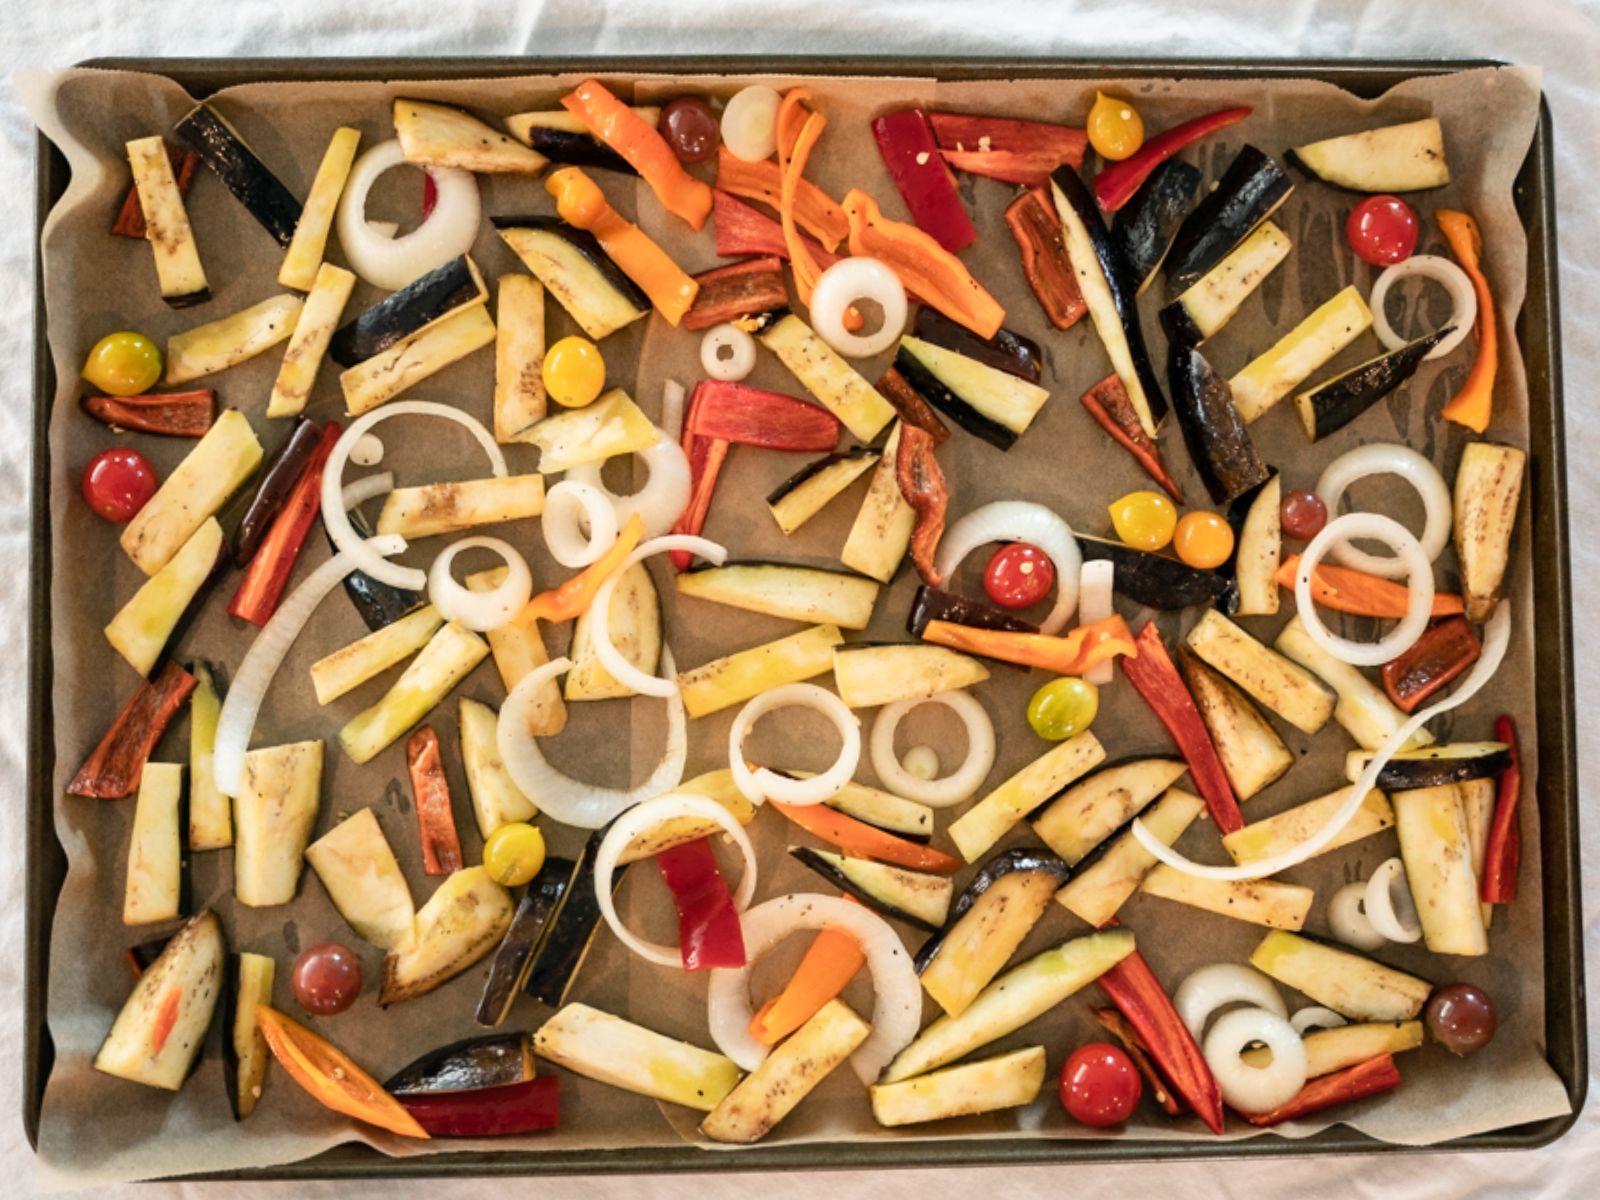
x=665 y=494
x=480 y=611
x=737 y=363
x=623 y=671
x=1347 y=918
x=1248 y=1088
x=366 y=488
x=762 y=783
x=1095 y=585
x=750 y=123
x=840 y=287
x=962 y=783
x=642 y=819
x=897 y=1002
x=1314 y=1016
x=237 y=720
x=1208 y=988
x=559 y=523
x=1463 y=301
x=561 y=797
x=1019 y=521
x=1419 y=599
x=1389 y=458
x=1496 y=637
x=1397 y=923
x=447 y=232
x=672 y=401
x=337 y=523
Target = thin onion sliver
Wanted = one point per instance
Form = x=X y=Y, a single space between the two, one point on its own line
x=1347 y=918
x=480 y=611
x=1209 y=988
x=1019 y=521
x=1314 y=1016
x=560 y=523
x=1378 y=903
x=368 y=487
x=666 y=490
x=962 y=783
x=623 y=671
x=758 y=785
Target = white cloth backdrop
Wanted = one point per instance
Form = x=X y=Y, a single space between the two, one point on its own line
x=1563 y=36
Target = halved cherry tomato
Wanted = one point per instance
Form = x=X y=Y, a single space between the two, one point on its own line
x=1100 y=1086
x=1018 y=575
x=118 y=483
x=1382 y=230
x=1203 y=540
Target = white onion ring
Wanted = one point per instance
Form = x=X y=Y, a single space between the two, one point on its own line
x=641 y=819
x=1419 y=601
x=447 y=232
x=1463 y=301
x=1496 y=637
x=844 y=283
x=562 y=798
x=564 y=504
x=1255 y=1089
x=897 y=1000
x=962 y=783
x=1378 y=900
x=1389 y=458
x=480 y=611
x=366 y=488
x=666 y=491
x=1314 y=1016
x=735 y=366
x=672 y=401
x=368 y=452
x=623 y=671
x=750 y=123
x=1019 y=521
x=1208 y=988
x=1348 y=920
x=1095 y=584
x=237 y=720
x=758 y=785
x=334 y=518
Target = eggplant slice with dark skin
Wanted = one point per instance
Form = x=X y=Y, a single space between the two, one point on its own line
x=1026 y=858
x=472 y=1063
x=379 y=603
x=1218 y=440
x=513 y=958
x=1157 y=581
x=576 y=271
x=261 y=192
x=1249 y=192
x=273 y=488
x=571 y=931
x=953 y=406
x=400 y=314
x=576 y=150
x=934 y=604
x=1005 y=351
x=1329 y=407
x=889 y=890
x=1144 y=228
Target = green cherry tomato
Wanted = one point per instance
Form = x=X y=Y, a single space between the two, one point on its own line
x=1144 y=520
x=574 y=372
x=1063 y=707
x=513 y=854
x=123 y=364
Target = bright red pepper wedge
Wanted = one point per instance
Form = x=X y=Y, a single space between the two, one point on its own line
x=1503 y=856
x=706 y=456
x=747 y=416
x=1114 y=1023
x=268 y=573
x=1445 y=650
x=441 y=845
x=1133 y=987
x=1155 y=677
x=1108 y=403
x=741 y=289
x=646 y=151
x=526 y=1106
x=1116 y=185
x=743 y=231
x=860 y=840
x=709 y=932
x=969 y=133
x=170 y=414
x=1036 y=228
x=923 y=487
x=1022 y=168
x=907 y=146
x=113 y=769
x=130 y=217
x=1353 y=1083
x=814 y=210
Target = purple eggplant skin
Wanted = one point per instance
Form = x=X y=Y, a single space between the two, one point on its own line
x=587 y=245
x=472 y=1063
x=577 y=150
x=810 y=858
x=935 y=604
x=931 y=389
x=1157 y=581
x=513 y=958
x=1022 y=858
x=1250 y=190
x=1005 y=351
x=1329 y=407
x=277 y=481
x=571 y=931
x=1145 y=226
x=1219 y=443
x=400 y=314
x=242 y=173
x=815 y=468
x=378 y=603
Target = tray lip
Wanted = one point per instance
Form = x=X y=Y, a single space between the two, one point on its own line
x=1563 y=901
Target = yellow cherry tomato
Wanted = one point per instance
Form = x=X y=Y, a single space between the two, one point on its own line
x=513 y=854
x=1114 y=127
x=1203 y=539
x=123 y=364
x=1144 y=520
x=574 y=372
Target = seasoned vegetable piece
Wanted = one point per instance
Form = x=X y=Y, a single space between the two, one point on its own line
x=1488 y=486
x=411 y=360
x=1300 y=353
x=736 y=678
x=830 y=380
x=436 y=508
x=1092 y=809
x=1351 y=985
x=302 y=359
x=496 y=800
x=447 y=659
x=989 y=1085
x=207 y=349
x=244 y=1050
x=1392 y=158
x=868 y=675
x=519 y=394
x=602 y=1047
x=881 y=533
x=1287 y=829
x=987 y=821
x=310 y=240
x=142 y=626
x=366 y=658
x=162 y=1025
x=460 y=923
x=362 y=878
x=179 y=274
x=154 y=888
x=1283 y=687
x=441 y=136
x=274 y=813
x=795 y=593
x=1103 y=881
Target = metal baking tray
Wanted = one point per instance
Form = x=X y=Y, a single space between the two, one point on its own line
x=1538 y=330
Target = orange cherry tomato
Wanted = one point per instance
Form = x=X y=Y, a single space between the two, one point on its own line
x=1203 y=539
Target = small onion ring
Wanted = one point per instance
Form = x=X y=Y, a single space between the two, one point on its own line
x=1348 y=920
x=962 y=783
x=1096 y=580
x=642 y=819
x=368 y=452
x=735 y=366
x=666 y=491
x=1378 y=901
x=897 y=1001
x=750 y=123
x=1314 y=1016
x=839 y=287
x=623 y=671
x=1389 y=458
x=560 y=523
x=480 y=611
x=1463 y=301
x=1419 y=601
x=447 y=232
x=756 y=786
x=366 y=488
x=1208 y=988
x=1019 y=521
x=1255 y=1089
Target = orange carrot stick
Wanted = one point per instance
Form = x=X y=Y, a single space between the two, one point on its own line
x=831 y=962
x=1346 y=590
x=861 y=840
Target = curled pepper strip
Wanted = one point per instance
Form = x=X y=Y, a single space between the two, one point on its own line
x=1473 y=405
x=573 y=597
x=1065 y=654
x=645 y=150
x=923 y=486
x=797 y=136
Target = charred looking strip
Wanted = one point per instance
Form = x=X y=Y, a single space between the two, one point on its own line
x=242 y=173
x=114 y=768
x=175 y=414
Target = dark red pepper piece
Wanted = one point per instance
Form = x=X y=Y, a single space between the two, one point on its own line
x=1448 y=648
x=923 y=486
x=910 y=405
x=441 y=845
x=744 y=231
x=523 y=1107
x=1353 y=1083
x=907 y=146
x=173 y=414
x=1033 y=222
x=739 y=290
x=268 y=573
x=1114 y=1023
x=114 y=768
x=1108 y=403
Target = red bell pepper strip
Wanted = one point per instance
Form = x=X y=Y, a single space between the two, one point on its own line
x=910 y=405
x=706 y=456
x=736 y=412
x=1133 y=987
x=115 y=766
x=572 y=598
x=130 y=217
x=1065 y=654
x=1116 y=185
x=1503 y=856
x=738 y=290
x=1108 y=403
x=170 y=414
x=1114 y=1023
x=1023 y=168
x=1034 y=225
x=964 y=132
x=140 y=956
x=1156 y=678
x=441 y=846
x=709 y=932
x=860 y=840
x=833 y=960
x=269 y=570
x=430 y=196
x=923 y=487
x=646 y=151
x=1347 y=590
x=1365 y=1079
x=1448 y=648
x=742 y=231
x=526 y=1106
x=814 y=210
x=906 y=144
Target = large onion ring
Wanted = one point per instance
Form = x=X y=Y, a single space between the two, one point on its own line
x=1463 y=301
x=560 y=797
x=962 y=783
x=1248 y=1088
x=1389 y=458
x=623 y=671
x=1314 y=1016
x=758 y=785
x=1347 y=918
x=897 y=1001
x=844 y=283
x=447 y=232
x=1208 y=988
x=1096 y=582
x=734 y=366
x=1019 y=521
x=1419 y=601
x=642 y=819
x=1381 y=911
x=334 y=517
x=480 y=611
x=666 y=491
x=563 y=505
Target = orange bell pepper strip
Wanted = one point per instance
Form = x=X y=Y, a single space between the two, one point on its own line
x=814 y=210
x=924 y=266
x=1347 y=590
x=331 y=1076
x=798 y=131
x=1473 y=405
x=1065 y=654
x=860 y=840
x=581 y=203
x=574 y=596
x=645 y=150
x=832 y=961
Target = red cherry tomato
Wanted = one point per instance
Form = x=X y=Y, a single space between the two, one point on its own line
x=118 y=483
x=1018 y=575
x=1100 y=1086
x=1303 y=514
x=326 y=979
x=1382 y=230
